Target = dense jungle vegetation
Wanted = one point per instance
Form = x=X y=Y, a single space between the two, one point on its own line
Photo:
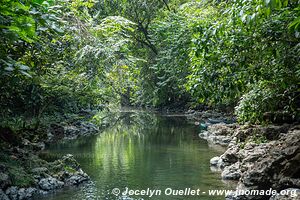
x=68 y=55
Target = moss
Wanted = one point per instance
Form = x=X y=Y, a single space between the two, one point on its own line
x=258 y=139
x=69 y=169
x=20 y=177
x=18 y=169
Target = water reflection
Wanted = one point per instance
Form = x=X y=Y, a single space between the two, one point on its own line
x=139 y=151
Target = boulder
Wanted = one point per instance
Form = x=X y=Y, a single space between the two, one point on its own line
x=231 y=172
x=214 y=161
x=12 y=192
x=77 y=178
x=26 y=193
x=50 y=184
x=217 y=162
x=204 y=135
x=3 y=196
x=231 y=155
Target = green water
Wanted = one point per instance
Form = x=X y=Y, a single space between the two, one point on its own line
x=140 y=151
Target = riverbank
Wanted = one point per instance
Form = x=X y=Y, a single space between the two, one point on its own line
x=24 y=174
x=26 y=171
x=257 y=157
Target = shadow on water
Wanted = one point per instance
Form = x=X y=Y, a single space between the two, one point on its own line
x=141 y=150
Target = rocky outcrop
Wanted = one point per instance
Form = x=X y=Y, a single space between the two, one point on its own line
x=47 y=177
x=260 y=158
x=15 y=193
x=50 y=184
x=278 y=166
x=71 y=131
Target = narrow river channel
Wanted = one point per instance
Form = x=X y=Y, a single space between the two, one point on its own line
x=140 y=151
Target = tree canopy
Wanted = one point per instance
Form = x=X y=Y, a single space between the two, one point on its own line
x=67 y=55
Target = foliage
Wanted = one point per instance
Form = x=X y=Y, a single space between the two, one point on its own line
x=64 y=56
x=55 y=59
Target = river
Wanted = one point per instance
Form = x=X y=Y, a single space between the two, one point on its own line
x=138 y=151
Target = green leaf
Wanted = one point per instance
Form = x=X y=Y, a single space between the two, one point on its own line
x=23 y=67
x=10 y=69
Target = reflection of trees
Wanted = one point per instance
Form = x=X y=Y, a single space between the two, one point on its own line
x=143 y=150
x=136 y=141
x=128 y=118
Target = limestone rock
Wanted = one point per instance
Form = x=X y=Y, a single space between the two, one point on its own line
x=50 y=184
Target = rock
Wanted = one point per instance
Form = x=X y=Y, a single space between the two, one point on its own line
x=3 y=196
x=287 y=194
x=80 y=128
x=190 y=111
x=90 y=126
x=215 y=139
x=219 y=139
x=219 y=134
x=231 y=172
x=274 y=164
x=215 y=160
x=231 y=155
x=210 y=114
x=273 y=132
x=69 y=171
x=56 y=132
x=38 y=146
x=204 y=135
x=39 y=170
x=70 y=161
x=4 y=180
x=12 y=192
x=26 y=193
x=278 y=166
x=77 y=179
x=220 y=129
x=21 y=194
x=216 y=164
x=251 y=153
x=35 y=146
x=214 y=121
x=50 y=184
x=71 y=131
x=41 y=192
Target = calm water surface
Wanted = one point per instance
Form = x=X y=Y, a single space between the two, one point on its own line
x=139 y=151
